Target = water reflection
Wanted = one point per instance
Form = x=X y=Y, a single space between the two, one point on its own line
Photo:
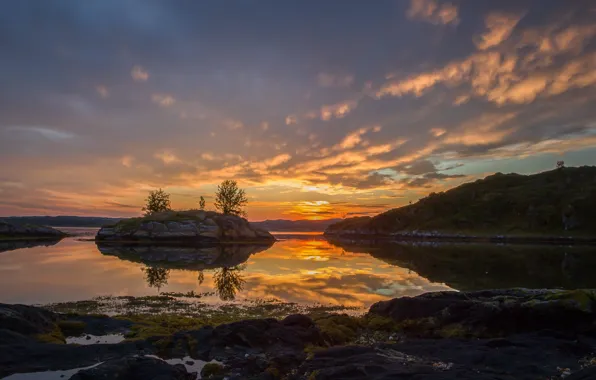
x=304 y=271
x=11 y=245
x=489 y=266
x=228 y=281
x=156 y=277
x=220 y=261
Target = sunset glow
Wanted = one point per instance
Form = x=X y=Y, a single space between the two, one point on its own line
x=379 y=104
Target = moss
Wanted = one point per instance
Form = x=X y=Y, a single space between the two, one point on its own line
x=273 y=372
x=454 y=330
x=149 y=325
x=313 y=375
x=379 y=323
x=55 y=336
x=211 y=370
x=72 y=328
x=584 y=299
x=339 y=328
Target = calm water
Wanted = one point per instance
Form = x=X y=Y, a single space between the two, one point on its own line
x=300 y=268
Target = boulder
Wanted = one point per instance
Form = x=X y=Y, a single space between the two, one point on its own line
x=189 y=227
x=492 y=312
x=26 y=320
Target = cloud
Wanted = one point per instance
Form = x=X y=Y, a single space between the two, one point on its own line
x=122 y=205
x=417 y=167
x=331 y=80
x=519 y=73
x=434 y=12
x=164 y=100
x=500 y=26
x=167 y=157
x=139 y=74
x=102 y=91
x=127 y=161
x=291 y=119
x=337 y=110
x=45 y=132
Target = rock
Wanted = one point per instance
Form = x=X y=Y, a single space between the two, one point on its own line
x=29 y=231
x=188 y=227
x=493 y=312
x=27 y=320
x=135 y=368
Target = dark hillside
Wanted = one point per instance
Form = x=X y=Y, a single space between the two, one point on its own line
x=546 y=203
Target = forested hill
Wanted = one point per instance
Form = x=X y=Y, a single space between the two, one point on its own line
x=549 y=202
x=62 y=221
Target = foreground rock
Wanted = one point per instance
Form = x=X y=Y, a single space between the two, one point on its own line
x=28 y=231
x=493 y=312
x=191 y=227
x=489 y=335
x=135 y=368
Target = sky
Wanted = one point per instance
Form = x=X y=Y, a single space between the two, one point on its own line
x=319 y=109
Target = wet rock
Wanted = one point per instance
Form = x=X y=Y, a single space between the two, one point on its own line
x=135 y=368
x=26 y=320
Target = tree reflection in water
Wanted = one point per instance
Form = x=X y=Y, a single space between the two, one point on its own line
x=156 y=277
x=228 y=281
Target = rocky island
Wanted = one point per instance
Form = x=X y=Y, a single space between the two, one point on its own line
x=183 y=227
x=13 y=231
x=492 y=334
x=554 y=206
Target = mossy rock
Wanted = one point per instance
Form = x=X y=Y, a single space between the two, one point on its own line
x=212 y=370
x=582 y=299
x=72 y=328
x=55 y=336
x=339 y=328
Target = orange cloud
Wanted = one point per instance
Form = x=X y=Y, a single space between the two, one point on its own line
x=500 y=26
x=139 y=74
x=434 y=12
x=164 y=100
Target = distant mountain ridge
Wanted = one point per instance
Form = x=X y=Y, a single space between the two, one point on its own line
x=295 y=225
x=62 y=221
x=557 y=202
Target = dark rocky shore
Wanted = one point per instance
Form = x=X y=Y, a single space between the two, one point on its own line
x=10 y=231
x=493 y=334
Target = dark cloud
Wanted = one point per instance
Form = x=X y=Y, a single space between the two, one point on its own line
x=122 y=205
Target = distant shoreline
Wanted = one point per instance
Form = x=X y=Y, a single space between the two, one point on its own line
x=462 y=238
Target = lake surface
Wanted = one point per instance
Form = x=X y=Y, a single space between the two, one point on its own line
x=300 y=268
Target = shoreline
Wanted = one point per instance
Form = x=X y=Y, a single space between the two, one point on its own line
x=481 y=335
x=460 y=238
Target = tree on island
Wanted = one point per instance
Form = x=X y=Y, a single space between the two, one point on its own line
x=202 y=203
x=157 y=201
x=230 y=199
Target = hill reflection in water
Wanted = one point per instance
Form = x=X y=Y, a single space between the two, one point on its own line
x=305 y=271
